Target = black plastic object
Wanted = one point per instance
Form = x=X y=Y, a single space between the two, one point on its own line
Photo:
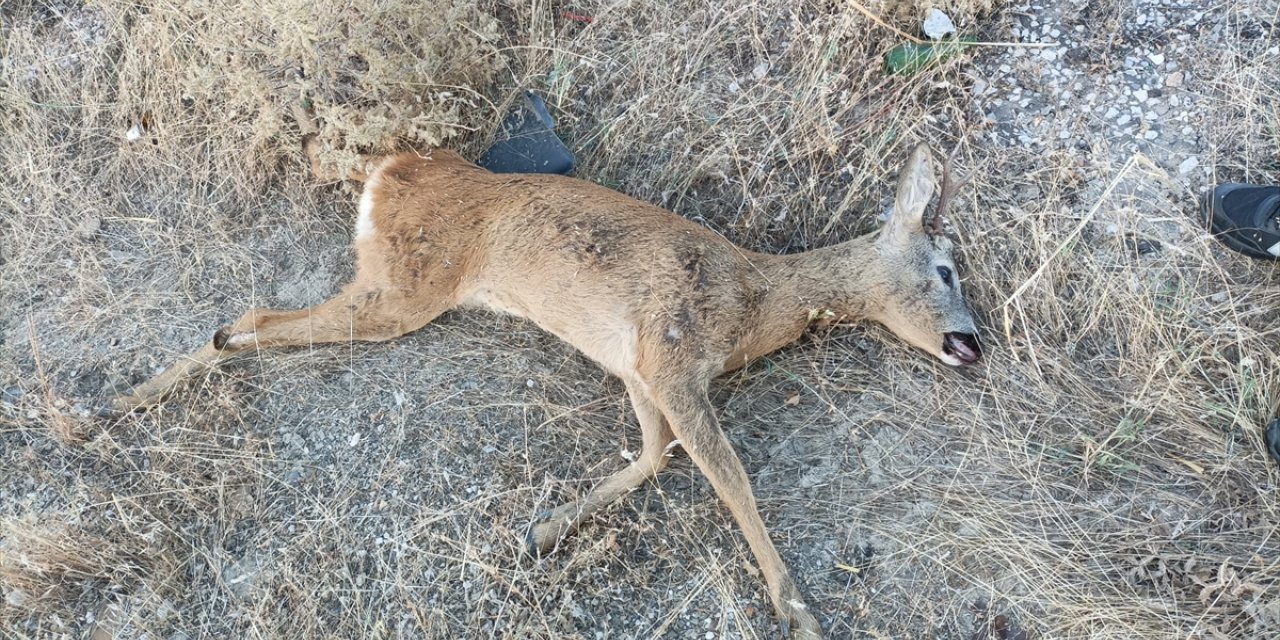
x=1272 y=438
x=1245 y=217
x=527 y=142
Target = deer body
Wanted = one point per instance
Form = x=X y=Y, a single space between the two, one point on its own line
x=663 y=303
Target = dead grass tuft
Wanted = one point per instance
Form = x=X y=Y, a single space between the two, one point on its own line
x=48 y=568
x=910 y=12
x=209 y=86
x=1100 y=476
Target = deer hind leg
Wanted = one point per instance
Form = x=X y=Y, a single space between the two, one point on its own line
x=357 y=314
x=690 y=414
x=655 y=436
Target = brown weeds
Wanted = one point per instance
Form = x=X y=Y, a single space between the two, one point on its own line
x=1101 y=475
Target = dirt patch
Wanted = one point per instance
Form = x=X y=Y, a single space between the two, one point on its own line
x=1100 y=476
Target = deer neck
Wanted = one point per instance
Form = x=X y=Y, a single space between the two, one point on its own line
x=835 y=283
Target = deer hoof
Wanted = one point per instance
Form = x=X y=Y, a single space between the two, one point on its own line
x=220 y=338
x=801 y=625
x=552 y=526
x=532 y=546
x=544 y=537
x=120 y=406
x=110 y=410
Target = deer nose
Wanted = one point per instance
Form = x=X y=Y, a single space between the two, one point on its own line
x=963 y=346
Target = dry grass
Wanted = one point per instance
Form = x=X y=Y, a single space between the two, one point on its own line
x=1100 y=476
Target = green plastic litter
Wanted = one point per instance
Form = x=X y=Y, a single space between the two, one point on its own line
x=909 y=58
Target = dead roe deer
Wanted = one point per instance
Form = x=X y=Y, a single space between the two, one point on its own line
x=663 y=303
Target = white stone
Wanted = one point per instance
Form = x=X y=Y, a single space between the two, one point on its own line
x=938 y=25
x=1188 y=165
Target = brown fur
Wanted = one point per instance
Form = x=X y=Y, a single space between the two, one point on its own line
x=662 y=303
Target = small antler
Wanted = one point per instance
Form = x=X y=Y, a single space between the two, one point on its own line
x=945 y=193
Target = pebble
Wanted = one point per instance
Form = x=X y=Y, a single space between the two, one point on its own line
x=1173 y=80
x=88 y=228
x=1188 y=165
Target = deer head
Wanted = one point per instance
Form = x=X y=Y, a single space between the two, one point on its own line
x=921 y=301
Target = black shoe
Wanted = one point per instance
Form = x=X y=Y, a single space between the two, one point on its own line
x=1245 y=217
x=527 y=142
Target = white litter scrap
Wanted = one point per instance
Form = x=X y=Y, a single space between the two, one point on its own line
x=938 y=25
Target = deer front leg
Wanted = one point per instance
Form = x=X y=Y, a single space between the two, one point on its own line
x=655 y=435
x=693 y=421
x=154 y=390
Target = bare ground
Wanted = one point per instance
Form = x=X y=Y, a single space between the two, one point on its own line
x=1100 y=475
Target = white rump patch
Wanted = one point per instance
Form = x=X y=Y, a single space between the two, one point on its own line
x=364 y=222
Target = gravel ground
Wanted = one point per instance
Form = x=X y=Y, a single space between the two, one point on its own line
x=1074 y=487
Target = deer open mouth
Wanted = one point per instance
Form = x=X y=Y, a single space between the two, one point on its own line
x=963 y=347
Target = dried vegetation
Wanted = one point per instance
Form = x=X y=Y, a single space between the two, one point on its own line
x=1100 y=476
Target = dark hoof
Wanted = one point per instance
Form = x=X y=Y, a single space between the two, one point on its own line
x=544 y=524
x=220 y=338
x=118 y=407
x=531 y=544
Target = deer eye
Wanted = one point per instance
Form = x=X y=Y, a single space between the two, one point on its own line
x=945 y=273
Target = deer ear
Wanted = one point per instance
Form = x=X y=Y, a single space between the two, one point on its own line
x=915 y=188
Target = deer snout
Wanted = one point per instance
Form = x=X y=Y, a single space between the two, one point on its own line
x=960 y=348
